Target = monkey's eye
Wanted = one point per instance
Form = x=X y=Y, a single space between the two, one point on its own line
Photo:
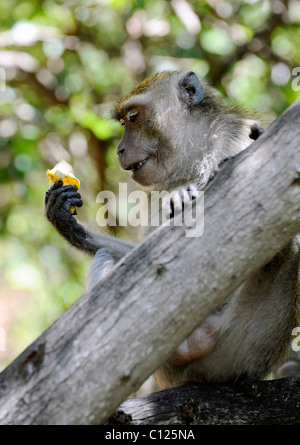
x=132 y=117
x=122 y=122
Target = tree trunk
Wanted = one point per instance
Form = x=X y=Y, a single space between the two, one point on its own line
x=114 y=337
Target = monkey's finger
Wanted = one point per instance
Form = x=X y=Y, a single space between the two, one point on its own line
x=55 y=186
x=69 y=195
x=192 y=189
x=57 y=196
x=70 y=202
x=177 y=200
x=53 y=195
x=55 y=190
x=64 y=189
x=175 y=204
x=189 y=193
x=185 y=196
x=61 y=210
x=47 y=194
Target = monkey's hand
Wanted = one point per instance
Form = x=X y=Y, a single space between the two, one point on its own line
x=58 y=202
x=181 y=198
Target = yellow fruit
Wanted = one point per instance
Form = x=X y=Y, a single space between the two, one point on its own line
x=63 y=172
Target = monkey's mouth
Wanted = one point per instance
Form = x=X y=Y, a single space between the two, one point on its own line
x=137 y=165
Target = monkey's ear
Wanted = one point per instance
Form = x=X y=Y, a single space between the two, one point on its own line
x=191 y=90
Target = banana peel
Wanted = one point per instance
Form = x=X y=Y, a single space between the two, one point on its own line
x=63 y=172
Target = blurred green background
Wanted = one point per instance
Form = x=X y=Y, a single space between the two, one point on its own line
x=63 y=65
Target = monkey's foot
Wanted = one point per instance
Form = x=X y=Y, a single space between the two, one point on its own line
x=180 y=198
x=197 y=345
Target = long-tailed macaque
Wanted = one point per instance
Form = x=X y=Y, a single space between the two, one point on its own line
x=177 y=132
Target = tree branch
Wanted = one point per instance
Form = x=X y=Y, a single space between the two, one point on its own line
x=114 y=337
x=272 y=402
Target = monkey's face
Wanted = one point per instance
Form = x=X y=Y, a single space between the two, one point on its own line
x=143 y=150
x=155 y=118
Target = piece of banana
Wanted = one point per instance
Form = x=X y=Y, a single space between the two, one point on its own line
x=63 y=172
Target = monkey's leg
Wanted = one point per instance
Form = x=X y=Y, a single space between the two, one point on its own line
x=199 y=344
x=255 y=327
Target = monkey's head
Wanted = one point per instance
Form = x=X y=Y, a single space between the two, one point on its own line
x=172 y=123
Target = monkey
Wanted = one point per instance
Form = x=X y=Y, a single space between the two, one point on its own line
x=177 y=133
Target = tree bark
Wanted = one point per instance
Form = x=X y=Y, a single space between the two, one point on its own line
x=272 y=402
x=114 y=337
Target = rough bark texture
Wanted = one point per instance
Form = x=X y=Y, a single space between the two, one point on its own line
x=273 y=402
x=113 y=338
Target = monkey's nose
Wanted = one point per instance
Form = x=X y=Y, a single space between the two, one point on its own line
x=120 y=150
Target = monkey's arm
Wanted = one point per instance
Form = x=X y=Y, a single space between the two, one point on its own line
x=58 y=200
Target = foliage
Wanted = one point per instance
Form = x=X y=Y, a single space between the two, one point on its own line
x=63 y=64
